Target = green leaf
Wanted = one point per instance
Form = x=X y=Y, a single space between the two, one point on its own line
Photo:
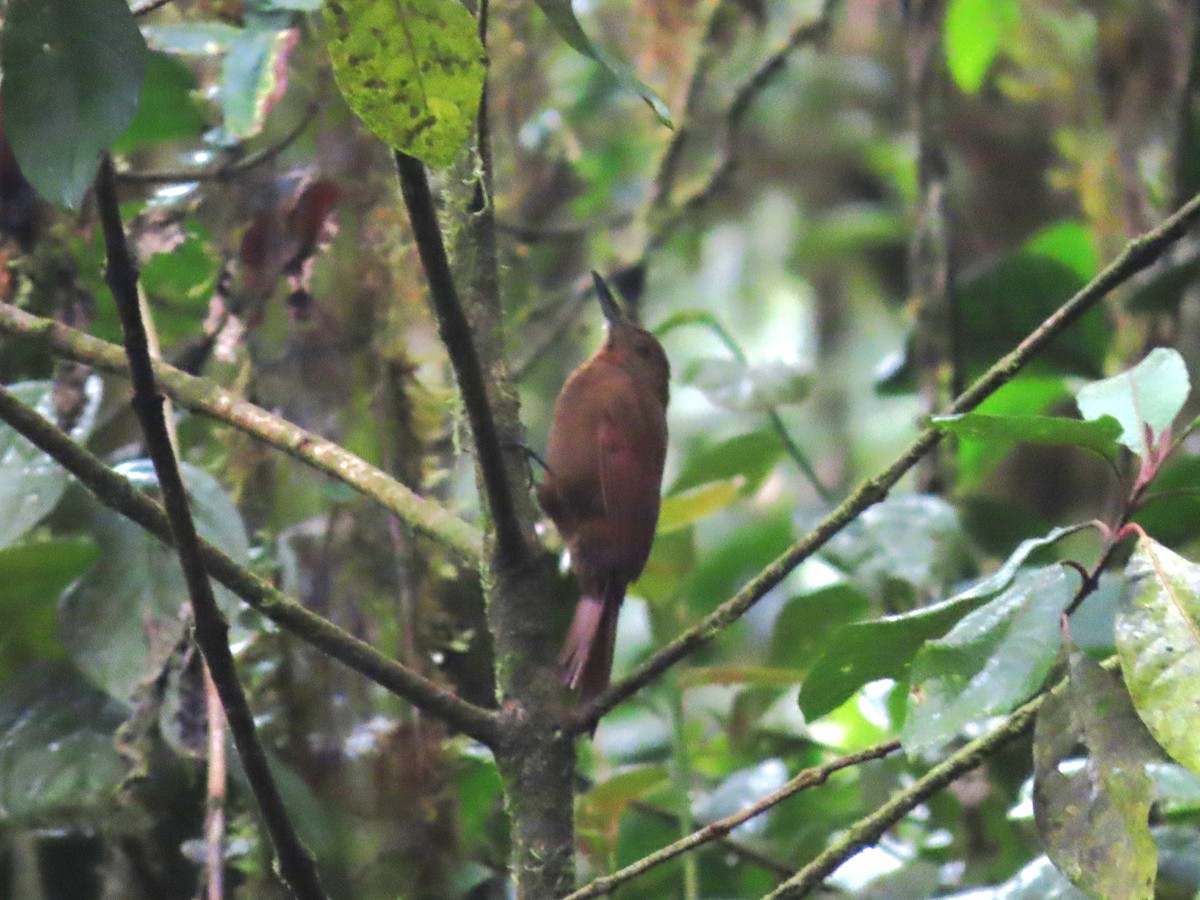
x=1099 y=435
x=680 y=510
x=1092 y=795
x=167 y=110
x=57 y=754
x=72 y=76
x=1024 y=395
x=805 y=622
x=254 y=77
x=412 y=69
x=562 y=17
x=1067 y=242
x=31 y=483
x=989 y=662
x=1150 y=395
x=1158 y=642
x=751 y=456
x=32 y=577
x=867 y=651
x=124 y=618
x=974 y=31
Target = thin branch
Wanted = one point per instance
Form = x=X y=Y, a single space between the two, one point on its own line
x=812 y=32
x=1137 y=255
x=812 y=777
x=120 y=495
x=296 y=864
x=205 y=396
x=455 y=333
x=227 y=170
x=743 y=851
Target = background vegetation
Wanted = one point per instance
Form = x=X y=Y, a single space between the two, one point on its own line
x=836 y=216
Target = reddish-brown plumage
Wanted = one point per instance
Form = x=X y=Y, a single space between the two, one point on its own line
x=604 y=462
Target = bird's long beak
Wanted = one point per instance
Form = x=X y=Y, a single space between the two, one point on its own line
x=608 y=302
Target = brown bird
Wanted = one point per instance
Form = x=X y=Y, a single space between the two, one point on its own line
x=604 y=469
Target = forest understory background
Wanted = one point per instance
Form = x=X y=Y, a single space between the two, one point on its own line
x=872 y=650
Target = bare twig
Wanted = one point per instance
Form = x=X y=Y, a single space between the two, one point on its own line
x=812 y=777
x=1137 y=255
x=455 y=333
x=120 y=495
x=296 y=864
x=205 y=396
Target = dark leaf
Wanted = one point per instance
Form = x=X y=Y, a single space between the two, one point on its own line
x=1092 y=795
x=72 y=76
x=994 y=658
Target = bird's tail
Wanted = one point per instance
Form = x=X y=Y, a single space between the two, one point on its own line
x=587 y=654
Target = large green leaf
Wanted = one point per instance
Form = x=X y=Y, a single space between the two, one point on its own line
x=124 y=618
x=72 y=76
x=1099 y=434
x=884 y=648
x=57 y=753
x=413 y=70
x=1148 y=396
x=562 y=17
x=989 y=662
x=804 y=623
x=1158 y=641
x=974 y=31
x=31 y=483
x=1092 y=795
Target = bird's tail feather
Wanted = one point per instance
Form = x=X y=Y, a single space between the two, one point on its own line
x=587 y=654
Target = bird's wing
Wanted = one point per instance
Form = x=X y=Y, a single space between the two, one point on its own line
x=631 y=441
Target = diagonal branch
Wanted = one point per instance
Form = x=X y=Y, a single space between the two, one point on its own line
x=296 y=864
x=455 y=333
x=1138 y=254
x=808 y=778
x=120 y=495
x=205 y=396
